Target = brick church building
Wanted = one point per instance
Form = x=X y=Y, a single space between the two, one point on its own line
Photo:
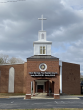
x=42 y=73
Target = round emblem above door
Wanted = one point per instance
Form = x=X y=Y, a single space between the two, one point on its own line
x=42 y=66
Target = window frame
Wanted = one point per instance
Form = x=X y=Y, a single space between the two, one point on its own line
x=42 y=50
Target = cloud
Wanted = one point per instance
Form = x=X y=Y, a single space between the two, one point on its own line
x=19 y=26
x=76 y=5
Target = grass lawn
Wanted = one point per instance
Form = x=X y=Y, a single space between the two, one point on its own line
x=50 y=109
x=6 y=95
x=56 y=109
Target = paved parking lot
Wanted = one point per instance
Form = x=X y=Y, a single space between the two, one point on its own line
x=20 y=103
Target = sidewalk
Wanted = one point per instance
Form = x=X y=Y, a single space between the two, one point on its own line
x=70 y=96
x=20 y=96
x=44 y=96
x=41 y=96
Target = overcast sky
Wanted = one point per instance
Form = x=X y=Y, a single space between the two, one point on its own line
x=19 y=26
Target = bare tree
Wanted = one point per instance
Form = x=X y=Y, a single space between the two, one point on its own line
x=14 y=60
x=4 y=59
x=81 y=77
x=1 y=61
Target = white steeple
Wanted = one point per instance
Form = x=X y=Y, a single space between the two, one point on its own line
x=42 y=46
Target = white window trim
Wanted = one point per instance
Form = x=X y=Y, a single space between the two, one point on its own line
x=42 y=50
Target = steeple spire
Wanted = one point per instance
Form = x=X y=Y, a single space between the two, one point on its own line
x=42 y=21
x=42 y=46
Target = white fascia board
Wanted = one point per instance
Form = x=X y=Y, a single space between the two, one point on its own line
x=41 y=31
x=60 y=63
x=38 y=42
x=11 y=64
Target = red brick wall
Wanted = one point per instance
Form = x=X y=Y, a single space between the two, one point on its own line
x=19 y=78
x=4 y=79
x=33 y=66
x=25 y=78
x=70 y=78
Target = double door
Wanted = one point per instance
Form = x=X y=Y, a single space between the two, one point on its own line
x=40 y=88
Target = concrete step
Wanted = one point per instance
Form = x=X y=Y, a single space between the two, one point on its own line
x=43 y=95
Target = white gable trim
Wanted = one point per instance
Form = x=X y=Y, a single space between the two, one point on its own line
x=60 y=64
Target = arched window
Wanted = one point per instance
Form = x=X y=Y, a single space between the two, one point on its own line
x=11 y=80
x=42 y=36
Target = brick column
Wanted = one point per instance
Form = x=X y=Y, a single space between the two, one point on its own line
x=56 y=90
x=36 y=87
x=52 y=88
x=47 y=88
x=44 y=88
x=33 y=88
x=28 y=89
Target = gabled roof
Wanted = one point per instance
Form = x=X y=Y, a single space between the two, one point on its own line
x=42 y=57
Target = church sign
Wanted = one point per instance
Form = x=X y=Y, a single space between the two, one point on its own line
x=43 y=74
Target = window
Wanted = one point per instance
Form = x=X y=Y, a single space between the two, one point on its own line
x=42 y=50
x=42 y=36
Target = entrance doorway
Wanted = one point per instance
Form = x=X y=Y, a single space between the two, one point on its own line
x=40 y=88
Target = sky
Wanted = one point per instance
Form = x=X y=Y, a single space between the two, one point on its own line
x=19 y=26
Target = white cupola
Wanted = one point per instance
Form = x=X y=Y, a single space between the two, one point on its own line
x=42 y=46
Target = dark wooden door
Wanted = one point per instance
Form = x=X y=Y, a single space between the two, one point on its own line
x=40 y=88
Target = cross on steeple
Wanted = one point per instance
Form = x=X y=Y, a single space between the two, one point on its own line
x=42 y=21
